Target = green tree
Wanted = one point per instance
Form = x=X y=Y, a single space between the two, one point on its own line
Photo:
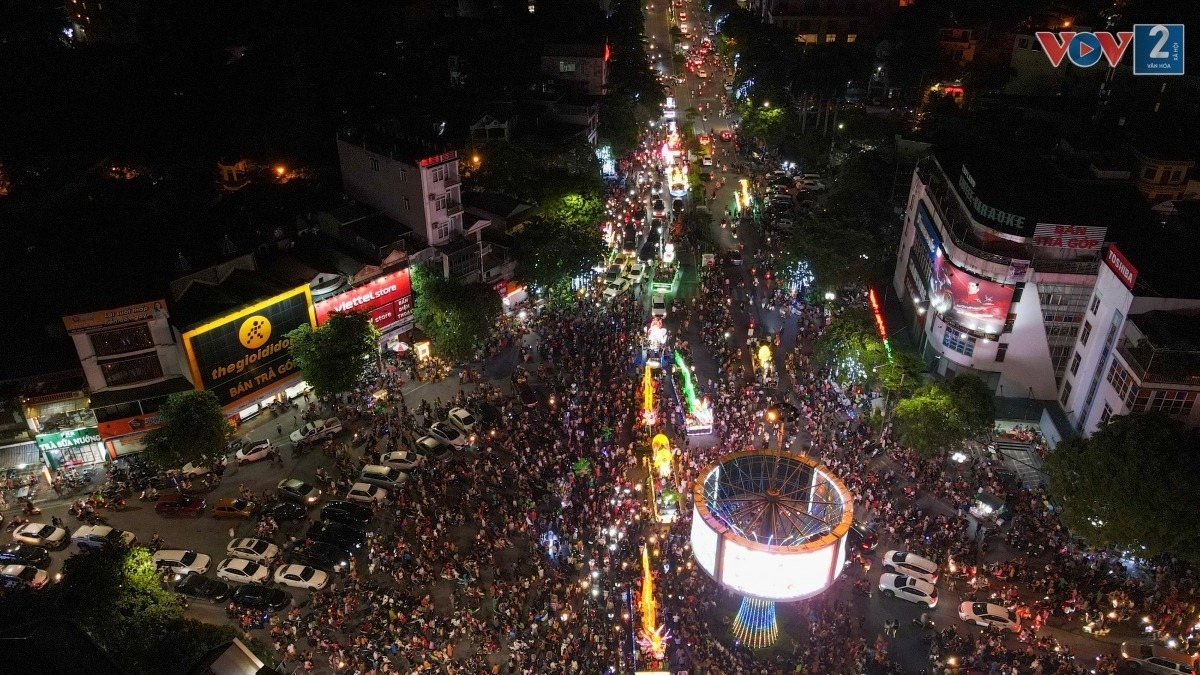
x=1131 y=485
x=838 y=249
x=458 y=317
x=194 y=429
x=550 y=252
x=901 y=376
x=334 y=356
x=975 y=403
x=851 y=348
x=928 y=421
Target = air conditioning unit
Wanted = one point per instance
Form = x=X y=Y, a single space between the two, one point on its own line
x=432 y=196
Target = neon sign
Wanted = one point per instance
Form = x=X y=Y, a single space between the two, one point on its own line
x=880 y=326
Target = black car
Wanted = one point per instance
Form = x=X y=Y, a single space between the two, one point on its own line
x=281 y=511
x=24 y=554
x=347 y=513
x=862 y=537
x=258 y=596
x=319 y=554
x=343 y=536
x=204 y=588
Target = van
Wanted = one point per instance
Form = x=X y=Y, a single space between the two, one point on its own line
x=1160 y=660
x=383 y=476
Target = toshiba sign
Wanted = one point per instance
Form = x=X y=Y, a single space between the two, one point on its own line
x=387 y=299
x=1120 y=266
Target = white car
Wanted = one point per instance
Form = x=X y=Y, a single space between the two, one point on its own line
x=23 y=575
x=181 y=561
x=365 y=493
x=255 y=550
x=401 y=459
x=433 y=448
x=301 y=576
x=243 y=571
x=636 y=273
x=658 y=306
x=463 y=419
x=616 y=288
x=902 y=562
x=101 y=536
x=448 y=435
x=316 y=430
x=908 y=588
x=254 y=451
x=702 y=73
x=40 y=534
x=706 y=160
x=191 y=470
x=986 y=614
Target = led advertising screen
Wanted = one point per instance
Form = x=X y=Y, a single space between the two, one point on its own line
x=386 y=298
x=704 y=543
x=775 y=575
x=969 y=301
x=248 y=352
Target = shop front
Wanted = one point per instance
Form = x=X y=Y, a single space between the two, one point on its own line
x=387 y=300
x=67 y=448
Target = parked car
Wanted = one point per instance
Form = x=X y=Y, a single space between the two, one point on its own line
x=435 y=449
x=317 y=430
x=908 y=588
x=636 y=273
x=181 y=561
x=902 y=562
x=23 y=576
x=463 y=419
x=40 y=534
x=347 y=513
x=301 y=576
x=179 y=506
x=342 y=536
x=241 y=571
x=254 y=451
x=24 y=554
x=706 y=160
x=258 y=596
x=986 y=614
x=194 y=469
x=1150 y=658
x=320 y=554
x=101 y=536
x=403 y=460
x=383 y=476
x=612 y=274
x=233 y=507
x=862 y=537
x=282 y=511
x=447 y=434
x=298 y=491
x=256 y=550
x=616 y=288
x=203 y=588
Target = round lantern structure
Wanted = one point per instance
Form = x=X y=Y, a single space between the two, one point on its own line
x=772 y=527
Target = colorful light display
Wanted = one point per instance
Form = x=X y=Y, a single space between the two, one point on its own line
x=648 y=414
x=880 y=326
x=698 y=414
x=755 y=625
x=652 y=637
x=662 y=457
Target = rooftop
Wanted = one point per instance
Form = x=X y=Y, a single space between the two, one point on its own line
x=403 y=140
x=1179 y=331
x=203 y=301
x=1161 y=253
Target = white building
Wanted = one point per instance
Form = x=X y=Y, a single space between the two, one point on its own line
x=997 y=261
x=1143 y=352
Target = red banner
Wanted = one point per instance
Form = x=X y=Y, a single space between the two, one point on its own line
x=386 y=298
x=1120 y=266
x=129 y=425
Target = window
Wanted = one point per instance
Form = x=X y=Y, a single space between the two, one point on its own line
x=439 y=173
x=1149 y=173
x=1001 y=352
x=131 y=370
x=852 y=37
x=831 y=37
x=1086 y=332
x=440 y=202
x=403 y=176
x=1168 y=401
x=122 y=341
x=1018 y=290
x=1176 y=176
x=566 y=66
x=374 y=163
x=443 y=231
x=1009 y=322
x=1066 y=395
x=1105 y=414
x=406 y=203
x=960 y=342
x=1122 y=382
x=1095 y=303
x=1075 y=363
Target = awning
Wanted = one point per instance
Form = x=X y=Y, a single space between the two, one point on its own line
x=22 y=454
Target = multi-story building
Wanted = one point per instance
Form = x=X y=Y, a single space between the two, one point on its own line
x=582 y=66
x=1142 y=346
x=411 y=179
x=997 y=263
x=1160 y=174
x=823 y=21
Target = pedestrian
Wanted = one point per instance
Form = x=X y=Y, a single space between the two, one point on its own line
x=232 y=533
x=279 y=429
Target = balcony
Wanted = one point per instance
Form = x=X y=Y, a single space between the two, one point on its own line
x=453 y=208
x=451 y=181
x=1154 y=364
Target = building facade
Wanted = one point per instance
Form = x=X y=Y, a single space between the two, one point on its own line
x=997 y=262
x=583 y=67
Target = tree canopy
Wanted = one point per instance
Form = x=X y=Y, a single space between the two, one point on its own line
x=850 y=347
x=928 y=422
x=551 y=252
x=457 y=317
x=334 y=356
x=1131 y=485
x=194 y=429
x=542 y=174
x=975 y=402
